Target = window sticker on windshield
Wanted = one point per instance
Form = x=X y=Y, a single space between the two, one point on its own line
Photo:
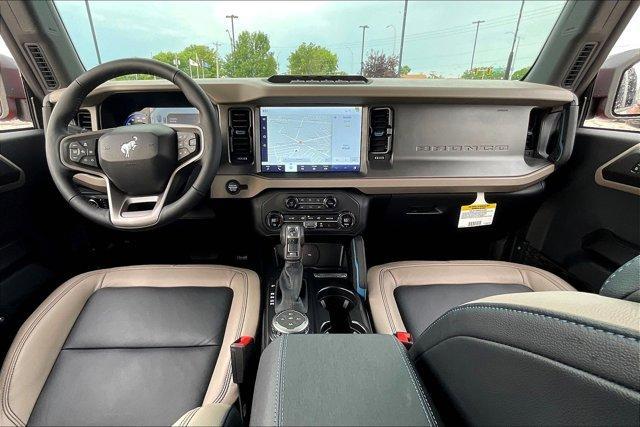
x=477 y=214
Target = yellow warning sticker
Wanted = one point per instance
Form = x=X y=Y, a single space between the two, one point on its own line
x=477 y=214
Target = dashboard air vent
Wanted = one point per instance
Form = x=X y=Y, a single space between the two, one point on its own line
x=83 y=119
x=240 y=136
x=41 y=63
x=578 y=64
x=380 y=130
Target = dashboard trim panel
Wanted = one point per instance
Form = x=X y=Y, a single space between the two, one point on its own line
x=257 y=184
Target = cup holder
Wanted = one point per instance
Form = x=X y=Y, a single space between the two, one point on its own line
x=339 y=302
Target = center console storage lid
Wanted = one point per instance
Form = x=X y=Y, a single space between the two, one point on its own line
x=338 y=380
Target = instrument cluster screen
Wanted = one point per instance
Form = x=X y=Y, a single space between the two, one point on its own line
x=164 y=115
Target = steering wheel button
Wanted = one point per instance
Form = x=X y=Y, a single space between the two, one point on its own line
x=89 y=161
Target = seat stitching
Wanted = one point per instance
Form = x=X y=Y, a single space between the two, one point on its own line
x=284 y=356
x=395 y=282
x=419 y=391
x=227 y=381
x=14 y=361
x=478 y=306
x=619 y=270
x=496 y=264
x=524 y=282
x=383 y=293
x=533 y=353
x=190 y=415
x=277 y=400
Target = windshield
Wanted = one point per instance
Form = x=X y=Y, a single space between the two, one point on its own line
x=408 y=39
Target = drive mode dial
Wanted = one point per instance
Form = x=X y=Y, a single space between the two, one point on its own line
x=346 y=219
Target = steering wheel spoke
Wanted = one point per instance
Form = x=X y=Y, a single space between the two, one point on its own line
x=189 y=139
x=79 y=152
x=140 y=211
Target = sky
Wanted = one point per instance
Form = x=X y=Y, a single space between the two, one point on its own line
x=439 y=34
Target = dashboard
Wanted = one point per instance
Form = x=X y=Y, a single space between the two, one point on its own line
x=384 y=137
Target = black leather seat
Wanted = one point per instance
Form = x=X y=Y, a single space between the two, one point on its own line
x=517 y=358
x=130 y=346
x=409 y=296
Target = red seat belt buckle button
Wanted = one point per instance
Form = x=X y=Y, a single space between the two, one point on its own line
x=405 y=338
x=241 y=352
x=243 y=341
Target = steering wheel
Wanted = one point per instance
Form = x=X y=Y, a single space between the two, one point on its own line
x=141 y=163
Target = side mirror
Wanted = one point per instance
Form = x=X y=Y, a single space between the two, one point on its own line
x=12 y=94
x=617 y=88
x=627 y=101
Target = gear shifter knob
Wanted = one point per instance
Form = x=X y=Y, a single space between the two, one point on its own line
x=292 y=239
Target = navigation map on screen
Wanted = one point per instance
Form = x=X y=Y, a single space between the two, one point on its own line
x=310 y=139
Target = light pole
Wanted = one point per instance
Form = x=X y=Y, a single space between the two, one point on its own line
x=393 y=27
x=513 y=45
x=364 y=28
x=217 y=45
x=233 y=31
x=93 y=31
x=351 y=53
x=404 y=24
x=475 y=42
x=230 y=39
x=515 y=52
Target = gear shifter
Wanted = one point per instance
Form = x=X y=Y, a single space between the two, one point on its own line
x=290 y=310
x=290 y=281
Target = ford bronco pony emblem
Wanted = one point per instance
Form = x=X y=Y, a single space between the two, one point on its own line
x=128 y=147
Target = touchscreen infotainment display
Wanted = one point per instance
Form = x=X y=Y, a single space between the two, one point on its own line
x=310 y=139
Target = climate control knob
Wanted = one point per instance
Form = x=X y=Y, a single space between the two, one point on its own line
x=346 y=219
x=330 y=202
x=291 y=202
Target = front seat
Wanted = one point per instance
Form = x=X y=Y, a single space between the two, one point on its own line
x=137 y=345
x=516 y=357
x=409 y=296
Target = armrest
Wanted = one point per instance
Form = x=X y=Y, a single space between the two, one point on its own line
x=338 y=380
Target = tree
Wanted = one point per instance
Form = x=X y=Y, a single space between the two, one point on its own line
x=378 y=64
x=310 y=59
x=519 y=74
x=251 y=57
x=194 y=54
x=404 y=70
x=483 y=73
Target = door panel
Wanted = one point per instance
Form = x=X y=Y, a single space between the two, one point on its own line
x=586 y=228
x=34 y=229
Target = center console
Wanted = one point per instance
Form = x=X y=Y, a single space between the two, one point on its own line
x=316 y=270
x=339 y=380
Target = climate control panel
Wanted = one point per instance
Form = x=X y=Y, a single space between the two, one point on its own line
x=338 y=212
